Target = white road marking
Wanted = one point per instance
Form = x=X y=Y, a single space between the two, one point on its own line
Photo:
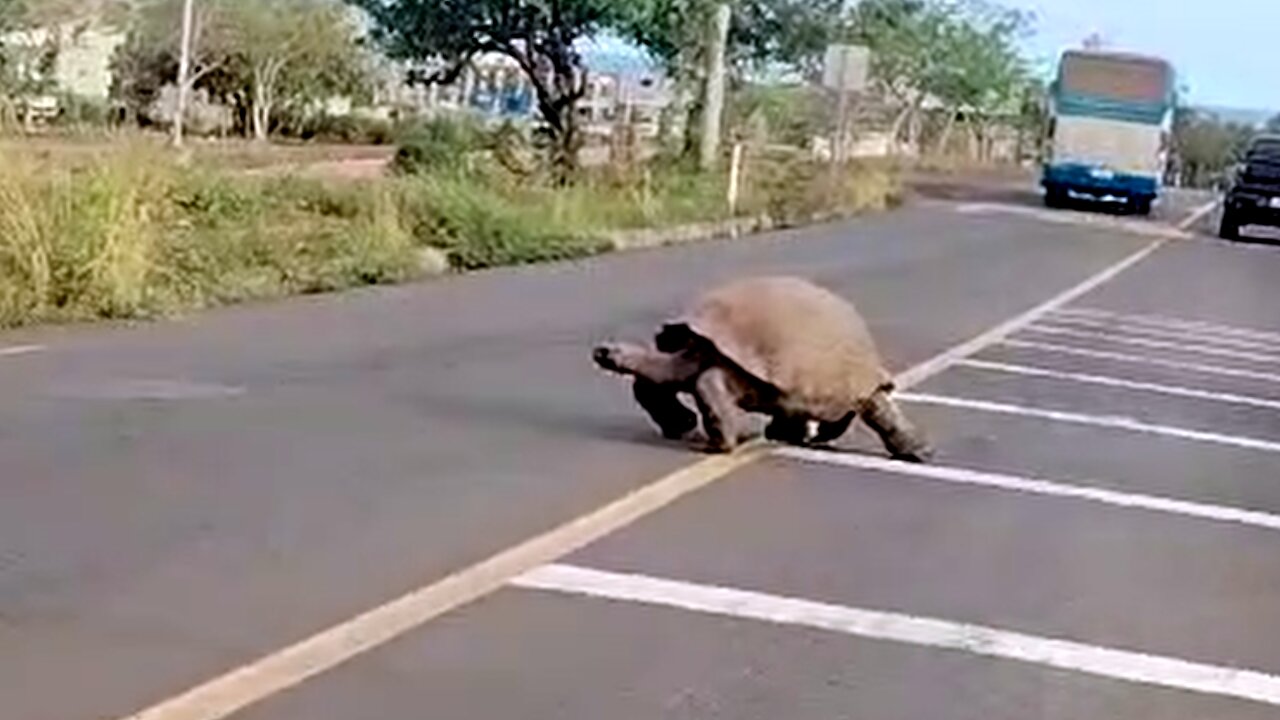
x=932 y=367
x=1165 y=333
x=1117 y=422
x=1034 y=486
x=1172 y=322
x=1115 y=382
x=1154 y=344
x=1061 y=217
x=259 y=679
x=1111 y=663
x=1197 y=215
x=1141 y=360
x=15 y=350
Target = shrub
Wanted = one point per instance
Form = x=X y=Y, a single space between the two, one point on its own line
x=340 y=129
x=441 y=144
x=480 y=228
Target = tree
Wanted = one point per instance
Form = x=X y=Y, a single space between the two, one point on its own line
x=793 y=33
x=790 y=33
x=541 y=36
x=901 y=35
x=962 y=54
x=259 y=56
x=28 y=56
x=978 y=72
x=1273 y=125
x=1205 y=146
x=148 y=59
x=291 y=52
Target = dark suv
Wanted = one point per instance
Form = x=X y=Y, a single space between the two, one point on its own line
x=1253 y=195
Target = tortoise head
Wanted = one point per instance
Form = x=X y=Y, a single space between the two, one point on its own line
x=675 y=337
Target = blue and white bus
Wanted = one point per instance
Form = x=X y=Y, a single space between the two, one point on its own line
x=1111 y=120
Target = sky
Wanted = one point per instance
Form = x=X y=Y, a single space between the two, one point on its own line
x=1225 y=51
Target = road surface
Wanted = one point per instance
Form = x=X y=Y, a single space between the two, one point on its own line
x=212 y=503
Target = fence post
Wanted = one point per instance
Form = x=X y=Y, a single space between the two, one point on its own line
x=735 y=172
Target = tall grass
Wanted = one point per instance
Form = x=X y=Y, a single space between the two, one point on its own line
x=79 y=242
x=131 y=234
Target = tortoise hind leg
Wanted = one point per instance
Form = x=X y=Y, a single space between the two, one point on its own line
x=804 y=430
x=829 y=432
x=788 y=428
x=902 y=439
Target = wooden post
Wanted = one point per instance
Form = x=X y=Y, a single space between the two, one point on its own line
x=184 y=72
x=735 y=173
x=713 y=107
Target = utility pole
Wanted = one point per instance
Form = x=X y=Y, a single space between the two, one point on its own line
x=184 y=72
x=713 y=106
x=838 y=148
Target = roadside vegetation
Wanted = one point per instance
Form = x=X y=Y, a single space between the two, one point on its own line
x=130 y=232
x=279 y=190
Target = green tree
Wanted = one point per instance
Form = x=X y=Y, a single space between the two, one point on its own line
x=962 y=54
x=292 y=52
x=903 y=36
x=793 y=33
x=541 y=36
x=762 y=33
x=976 y=69
x=1273 y=125
x=260 y=56
x=1205 y=146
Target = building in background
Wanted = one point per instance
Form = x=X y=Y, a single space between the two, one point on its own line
x=620 y=84
x=72 y=59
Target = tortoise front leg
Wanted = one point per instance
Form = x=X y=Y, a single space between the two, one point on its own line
x=902 y=439
x=723 y=420
x=662 y=402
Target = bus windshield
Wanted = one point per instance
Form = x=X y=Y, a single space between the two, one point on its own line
x=1114 y=77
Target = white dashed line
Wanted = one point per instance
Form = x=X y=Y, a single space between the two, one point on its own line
x=1116 y=664
x=1154 y=344
x=1165 y=333
x=16 y=350
x=1034 y=486
x=1080 y=219
x=1116 y=422
x=1172 y=322
x=1140 y=360
x=1107 y=381
x=998 y=333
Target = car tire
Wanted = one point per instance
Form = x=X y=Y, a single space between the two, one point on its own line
x=1229 y=226
x=1055 y=197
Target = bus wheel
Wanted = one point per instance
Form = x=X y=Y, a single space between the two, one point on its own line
x=1141 y=206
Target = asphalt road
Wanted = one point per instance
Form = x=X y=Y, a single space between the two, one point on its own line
x=179 y=499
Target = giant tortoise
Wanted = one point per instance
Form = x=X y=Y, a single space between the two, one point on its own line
x=778 y=346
